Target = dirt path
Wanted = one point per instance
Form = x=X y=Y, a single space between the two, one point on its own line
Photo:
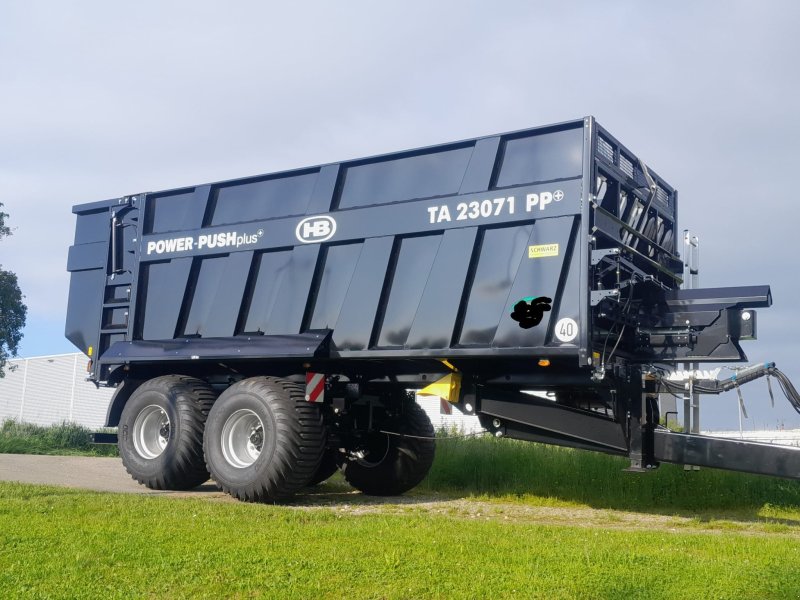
x=108 y=475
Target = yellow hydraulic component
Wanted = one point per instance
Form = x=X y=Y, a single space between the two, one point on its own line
x=447 y=388
x=447 y=364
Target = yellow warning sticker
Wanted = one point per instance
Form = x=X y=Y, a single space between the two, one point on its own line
x=542 y=250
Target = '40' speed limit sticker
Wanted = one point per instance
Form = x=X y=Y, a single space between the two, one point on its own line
x=566 y=330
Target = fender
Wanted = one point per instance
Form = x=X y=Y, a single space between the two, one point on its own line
x=118 y=400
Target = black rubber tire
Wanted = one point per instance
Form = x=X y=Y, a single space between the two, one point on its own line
x=294 y=437
x=186 y=402
x=327 y=466
x=404 y=464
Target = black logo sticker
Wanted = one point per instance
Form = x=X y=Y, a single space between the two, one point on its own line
x=529 y=311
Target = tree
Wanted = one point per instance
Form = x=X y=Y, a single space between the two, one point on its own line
x=12 y=309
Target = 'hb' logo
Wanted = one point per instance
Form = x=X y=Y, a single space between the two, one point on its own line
x=315 y=229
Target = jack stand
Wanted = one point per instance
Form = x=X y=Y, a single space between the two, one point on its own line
x=641 y=424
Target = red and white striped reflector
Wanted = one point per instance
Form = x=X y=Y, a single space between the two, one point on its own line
x=315 y=387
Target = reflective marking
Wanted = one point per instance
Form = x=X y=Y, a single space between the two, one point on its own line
x=315 y=387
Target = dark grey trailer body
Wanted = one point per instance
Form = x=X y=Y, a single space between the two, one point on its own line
x=541 y=258
x=428 y=252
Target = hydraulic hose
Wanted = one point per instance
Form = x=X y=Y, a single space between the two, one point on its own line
x=741 y=377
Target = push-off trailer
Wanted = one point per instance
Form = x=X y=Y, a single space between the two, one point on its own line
x=267 y=330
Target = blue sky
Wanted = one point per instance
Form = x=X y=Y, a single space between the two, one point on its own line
x=104 y=99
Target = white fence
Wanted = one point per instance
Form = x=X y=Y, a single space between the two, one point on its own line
x=51 y=389
x=787 y=437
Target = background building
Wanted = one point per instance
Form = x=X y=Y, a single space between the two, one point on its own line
x=45 y=390
x=51 y=389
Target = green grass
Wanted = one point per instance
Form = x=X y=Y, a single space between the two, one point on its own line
x=66 y=438
x=512 y=470
x=61 y=543
x=727 y=535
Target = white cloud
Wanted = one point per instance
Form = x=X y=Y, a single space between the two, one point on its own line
x=103 y=99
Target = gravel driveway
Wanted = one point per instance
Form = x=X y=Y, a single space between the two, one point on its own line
x=91 y=473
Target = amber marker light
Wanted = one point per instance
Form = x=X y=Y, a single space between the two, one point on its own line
x=544 y=362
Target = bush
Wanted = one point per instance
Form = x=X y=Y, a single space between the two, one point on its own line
x=65 y=438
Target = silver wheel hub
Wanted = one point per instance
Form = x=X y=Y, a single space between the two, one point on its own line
x=373 y=455
x=242 y=438
x=151 y=432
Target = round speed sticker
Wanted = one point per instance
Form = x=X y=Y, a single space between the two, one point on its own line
x=566 y=330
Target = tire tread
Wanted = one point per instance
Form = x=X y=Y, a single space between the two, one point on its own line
x=193 y=399
x=299 y=447
x=407 y=463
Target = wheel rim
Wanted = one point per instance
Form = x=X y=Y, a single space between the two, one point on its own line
x=242 y=438
x=151 y=432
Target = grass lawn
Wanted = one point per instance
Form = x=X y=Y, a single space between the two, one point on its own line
x=511 y=470
x=494 y=519
x=62 y=543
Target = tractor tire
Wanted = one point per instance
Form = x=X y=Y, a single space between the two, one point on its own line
x=393 y=464
x=161 y=432
x=263 y=441
x=327 y=466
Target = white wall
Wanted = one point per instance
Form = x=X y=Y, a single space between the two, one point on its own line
x=51 y=389
x=788 y=437
x=456 y=420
